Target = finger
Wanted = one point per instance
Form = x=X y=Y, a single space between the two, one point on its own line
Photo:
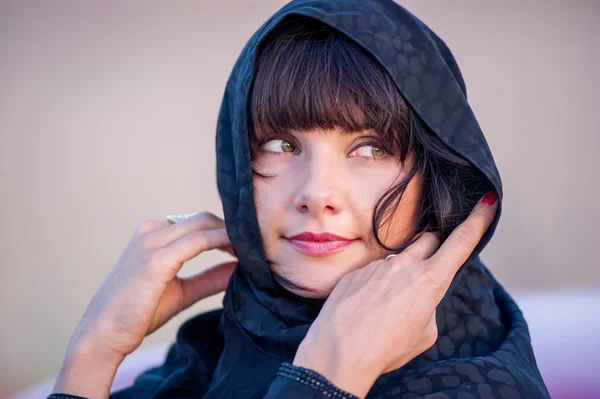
x=457 y=248
x=199 y=221
x=425 y=246
x=206 y=283
x=150 y=225
x=189 y=246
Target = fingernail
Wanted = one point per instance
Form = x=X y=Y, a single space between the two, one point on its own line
x=490 y=198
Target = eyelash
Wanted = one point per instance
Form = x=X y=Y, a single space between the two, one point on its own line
x=373 y=143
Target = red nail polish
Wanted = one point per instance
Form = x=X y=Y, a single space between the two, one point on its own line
x=490 y=198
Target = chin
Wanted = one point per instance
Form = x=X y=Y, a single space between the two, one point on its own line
x=313 y=295
x=319 y=285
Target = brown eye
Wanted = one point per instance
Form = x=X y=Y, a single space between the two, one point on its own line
x=378 y=152
x=370 y=151
x=278 y=145
x=287 y=147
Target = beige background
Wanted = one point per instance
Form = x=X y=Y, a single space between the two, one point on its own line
x=108 y=113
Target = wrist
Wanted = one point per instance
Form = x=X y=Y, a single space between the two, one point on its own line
x=338 y=366
x=92 y=348
x=88 y=370
x=90 y=340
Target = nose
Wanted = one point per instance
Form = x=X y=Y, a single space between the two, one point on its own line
x=318 y=189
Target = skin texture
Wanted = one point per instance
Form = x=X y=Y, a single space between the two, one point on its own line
x=140 y=293
x=342 y=343
x=325 y=182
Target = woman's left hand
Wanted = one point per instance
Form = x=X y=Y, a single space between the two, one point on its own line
x=381 y=316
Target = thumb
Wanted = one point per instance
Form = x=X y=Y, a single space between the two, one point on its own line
x=206 y=283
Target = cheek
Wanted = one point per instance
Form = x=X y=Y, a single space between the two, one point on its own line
x=367 y=188
x=402 y=223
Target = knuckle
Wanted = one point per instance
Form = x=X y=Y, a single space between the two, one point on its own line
x=142 y=226
x=429 y=277
x=160 y=260
x=145 y=226
x=208 y=217
x=150 y=258
x=433 y=237
x=146 y=243
x=429 y=236
x=205 y=216
x=465 y=234
x=199 y=238
x=406 y=256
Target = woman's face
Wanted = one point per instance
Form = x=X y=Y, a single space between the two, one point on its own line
x=327 y=181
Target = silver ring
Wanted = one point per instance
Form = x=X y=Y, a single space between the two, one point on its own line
x=390 y=255
x=178 y=218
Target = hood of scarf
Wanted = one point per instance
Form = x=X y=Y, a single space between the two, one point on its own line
x=272 y=317
x=483 y=349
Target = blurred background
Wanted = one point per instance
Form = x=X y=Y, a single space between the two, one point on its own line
x=108 y=114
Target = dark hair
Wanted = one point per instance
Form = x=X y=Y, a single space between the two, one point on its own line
x=310 y=76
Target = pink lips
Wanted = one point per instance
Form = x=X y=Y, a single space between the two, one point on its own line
x=319 y=244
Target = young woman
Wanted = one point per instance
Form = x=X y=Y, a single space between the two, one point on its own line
x=358 y=191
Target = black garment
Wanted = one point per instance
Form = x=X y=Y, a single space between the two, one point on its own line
x=483 y=349
x=292 y=382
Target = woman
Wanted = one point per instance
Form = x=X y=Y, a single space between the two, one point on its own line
x=351 y=171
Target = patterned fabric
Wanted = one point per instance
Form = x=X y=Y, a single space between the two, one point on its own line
x=313 y=380
x=483 y=349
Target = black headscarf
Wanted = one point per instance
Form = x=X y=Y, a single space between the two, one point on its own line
x=483 y=349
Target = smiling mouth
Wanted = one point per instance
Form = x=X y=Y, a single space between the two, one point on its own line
x=320 y=248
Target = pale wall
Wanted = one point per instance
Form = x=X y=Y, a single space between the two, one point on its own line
x=108 y=115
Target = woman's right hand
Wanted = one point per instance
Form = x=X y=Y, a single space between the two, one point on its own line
x=380 y=316
x=142 y=290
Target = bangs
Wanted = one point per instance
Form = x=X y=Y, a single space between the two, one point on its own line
x=310 y=76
